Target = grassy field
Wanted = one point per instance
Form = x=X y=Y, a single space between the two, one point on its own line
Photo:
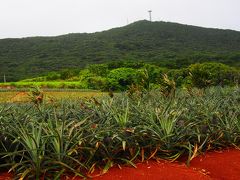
x=45 y=84
x=23 y=96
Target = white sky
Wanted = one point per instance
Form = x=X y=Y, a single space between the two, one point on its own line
x=22 y=18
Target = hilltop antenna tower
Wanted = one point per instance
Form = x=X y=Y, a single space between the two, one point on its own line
x=150 y=15
x=4 y=78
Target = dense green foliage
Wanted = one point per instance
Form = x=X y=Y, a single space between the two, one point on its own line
x=46 y=139
x=122 y=76
x=165 y=44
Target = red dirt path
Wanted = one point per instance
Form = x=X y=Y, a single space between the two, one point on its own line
x=220 y=165
x=214 y=165
x=154 y=171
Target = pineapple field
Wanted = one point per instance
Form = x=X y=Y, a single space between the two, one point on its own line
x=46 y=138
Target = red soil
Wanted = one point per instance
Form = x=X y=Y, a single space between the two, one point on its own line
x=154 y=170
x=5 y=176
x=220 y=165
x=214 y=165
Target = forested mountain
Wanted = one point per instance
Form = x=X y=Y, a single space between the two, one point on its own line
x=167 y=44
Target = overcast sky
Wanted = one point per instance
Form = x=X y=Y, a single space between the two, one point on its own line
x=22 y=18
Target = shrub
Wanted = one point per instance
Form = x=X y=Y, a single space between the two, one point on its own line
x=121 y=78
x=208 y=74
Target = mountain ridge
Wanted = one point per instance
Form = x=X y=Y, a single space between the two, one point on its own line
x=167 y=44
x=85 y=33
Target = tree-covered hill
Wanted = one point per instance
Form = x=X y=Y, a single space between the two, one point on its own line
x=167 y=44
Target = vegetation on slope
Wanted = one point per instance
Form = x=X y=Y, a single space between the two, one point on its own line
x=165 y=44
x=122 y=76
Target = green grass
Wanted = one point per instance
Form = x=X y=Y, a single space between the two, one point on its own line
x=45 y=84
x=79 y=135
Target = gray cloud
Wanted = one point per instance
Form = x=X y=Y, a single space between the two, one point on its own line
x=21 y=18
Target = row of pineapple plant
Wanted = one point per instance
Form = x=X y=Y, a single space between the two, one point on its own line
x=46 y=139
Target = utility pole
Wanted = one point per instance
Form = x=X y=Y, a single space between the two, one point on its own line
x=4 y=78
x=150 y=15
